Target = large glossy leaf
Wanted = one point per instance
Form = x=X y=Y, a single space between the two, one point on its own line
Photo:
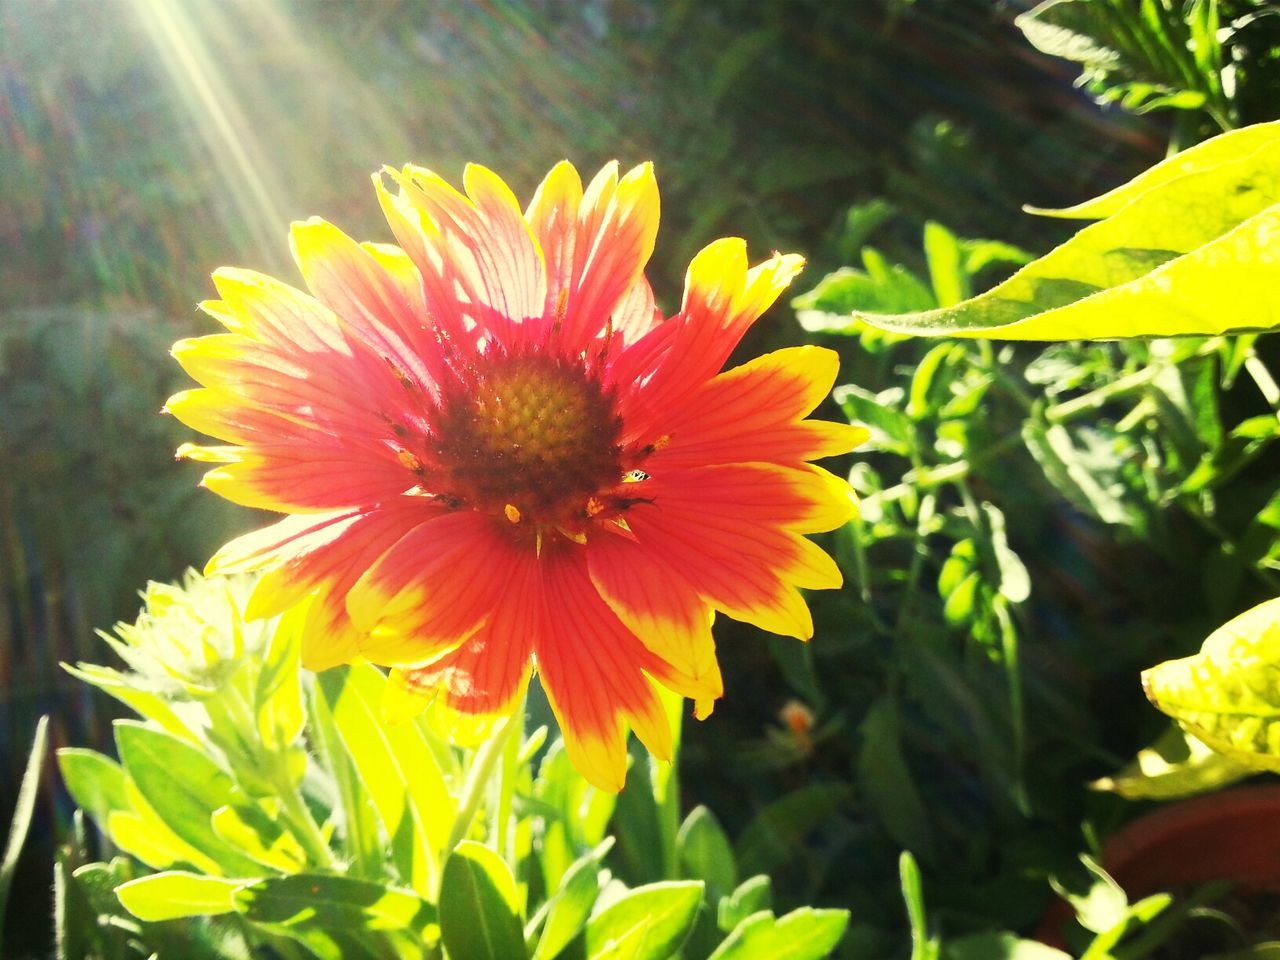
x=478 y=919
x=1228 y=694
x=1189 y=251
x=649 y=923
x=1203 y=156
x=804 y=934
x=396 y=768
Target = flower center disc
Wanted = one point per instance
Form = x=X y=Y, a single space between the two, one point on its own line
x=533 y=432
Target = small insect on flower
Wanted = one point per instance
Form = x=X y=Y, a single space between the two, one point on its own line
x=496 y=455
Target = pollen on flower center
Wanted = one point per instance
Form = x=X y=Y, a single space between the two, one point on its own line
x=532 y=436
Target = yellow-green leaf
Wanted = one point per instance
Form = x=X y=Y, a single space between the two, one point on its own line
x=397 y=768
x=278 y=692
x=1191 y=249
x=260 y=836
x=129 y=691
x=175 y=893
x=1228 y=694
x=1176 y=765
x=1203 y=156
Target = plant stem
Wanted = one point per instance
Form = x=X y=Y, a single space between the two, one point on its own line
x=1096 y=399
x=503 y=832
x=1262 y=378
x=478 y=778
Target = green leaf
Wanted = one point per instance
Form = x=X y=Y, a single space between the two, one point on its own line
x=999 y=946
x=1176 y=765
x=478 y=918
x=1202 y=157
x=175 y=893
x=931 y=379
x=890 y=788
x=958 y=609
x=923 y=946
x=259 y=836
x=803 y=934
x=1103 y=905
x=397 y=769
x=706 y=854
x=752 y=896
x=1085 y=474
x=1228 y=694
x=126 y=688
x=277 y=695
x=1143 y=54
x=891 y=430
x=1015 y=582
x=336 y=917
x=183 y=787
x=1190 y=255
x=95 y=782
x=568 y=909
x=946 y=267
x=649 y=923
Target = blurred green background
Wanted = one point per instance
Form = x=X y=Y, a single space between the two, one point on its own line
x=145 y=142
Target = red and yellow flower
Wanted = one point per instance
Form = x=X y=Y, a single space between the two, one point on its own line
x=495 y=454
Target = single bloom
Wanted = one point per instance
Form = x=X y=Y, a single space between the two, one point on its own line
x=495 y=454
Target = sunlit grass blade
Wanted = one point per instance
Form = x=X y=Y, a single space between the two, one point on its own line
x=22 y=814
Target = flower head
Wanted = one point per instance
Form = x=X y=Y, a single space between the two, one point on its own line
x=496 y=454
x=190 y=638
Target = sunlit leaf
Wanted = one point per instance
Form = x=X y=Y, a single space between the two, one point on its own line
x=129 y=691
x=260 y=837
x=569 y=907
x=946 y=266
x=1228 y=694
x=174 y=893
x=397 y=769
x=649 y=923
x=337 y=917
x=1192 y=253
x=752 y=896
x=1015 y=582
x=478 y=918
x=183 y=787
x=278 y=693
x=95 y=782
x=1176 y=765
x=803 y=934
x=999 y=946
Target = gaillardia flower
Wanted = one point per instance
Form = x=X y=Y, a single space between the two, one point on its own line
x=496 y=454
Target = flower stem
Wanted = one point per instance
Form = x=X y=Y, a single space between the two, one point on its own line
x=478 y=778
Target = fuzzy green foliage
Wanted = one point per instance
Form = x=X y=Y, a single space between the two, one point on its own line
x=255 y=806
